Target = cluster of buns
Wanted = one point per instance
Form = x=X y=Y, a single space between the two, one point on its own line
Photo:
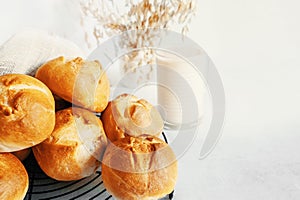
x=69 y=143
x=136 y=164
x=74 y=148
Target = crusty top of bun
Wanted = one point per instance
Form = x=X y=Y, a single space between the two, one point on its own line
x=80 y=82
x=76 y=126
x=139 y=168
x=13 y=178
x=27 y=113
x=134 y=116
x=139 y=155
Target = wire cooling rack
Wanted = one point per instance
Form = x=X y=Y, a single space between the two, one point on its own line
x=41 y=187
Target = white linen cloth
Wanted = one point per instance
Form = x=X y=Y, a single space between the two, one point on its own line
x=24 y=52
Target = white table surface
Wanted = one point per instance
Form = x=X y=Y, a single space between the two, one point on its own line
x=256 y=48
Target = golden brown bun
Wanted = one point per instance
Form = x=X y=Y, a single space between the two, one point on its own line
x=128 y=115
x=13 y=178
x=80 y=82
x=22 y=154
x=74 y=148
x=139 y=168
x=27 y=114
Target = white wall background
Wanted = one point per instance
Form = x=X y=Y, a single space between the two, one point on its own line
x=256 y=48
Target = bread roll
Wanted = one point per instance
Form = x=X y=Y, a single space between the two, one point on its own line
x=27 y=113
x=13 y=178
x=75 y=147
x=80 y=82
x=128 y=115
x=139 y=168
x=22 y=154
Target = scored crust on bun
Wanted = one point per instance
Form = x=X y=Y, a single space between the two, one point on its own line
x=139 y=168
x=27 y=113
x=75 y=147
x=83 y=83
x=13 y=178
x=129 y=115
